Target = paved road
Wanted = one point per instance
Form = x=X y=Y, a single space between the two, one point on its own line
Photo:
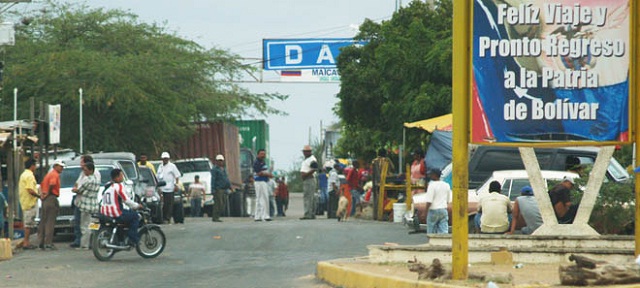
x=236 y=253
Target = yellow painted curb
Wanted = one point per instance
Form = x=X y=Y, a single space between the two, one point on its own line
x=345 y=277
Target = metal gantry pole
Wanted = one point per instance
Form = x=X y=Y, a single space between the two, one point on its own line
x=80 y=121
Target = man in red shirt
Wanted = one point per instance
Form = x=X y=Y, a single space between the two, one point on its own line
x=353 y=180
x=50 y=187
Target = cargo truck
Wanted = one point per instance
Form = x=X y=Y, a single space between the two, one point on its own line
x=209 y=140
x=254 y=135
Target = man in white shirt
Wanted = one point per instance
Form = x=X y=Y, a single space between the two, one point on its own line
x=169 y=173
x=333 y=186
x=438 y=198
x=307 y=173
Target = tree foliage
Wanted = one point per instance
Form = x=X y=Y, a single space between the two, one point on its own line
x=402 y=74
x=142 y=84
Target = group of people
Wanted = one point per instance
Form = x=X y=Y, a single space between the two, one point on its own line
x=85 y=202
x=497 y=215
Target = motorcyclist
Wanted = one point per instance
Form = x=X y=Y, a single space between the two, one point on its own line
x=112 y=200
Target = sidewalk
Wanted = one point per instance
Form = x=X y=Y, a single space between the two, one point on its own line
x=360 y=273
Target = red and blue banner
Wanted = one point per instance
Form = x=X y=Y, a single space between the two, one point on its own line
x=551 y=71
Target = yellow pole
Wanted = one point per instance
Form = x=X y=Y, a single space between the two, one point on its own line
x=409 y=189
x=461 y=94
x=635 y=113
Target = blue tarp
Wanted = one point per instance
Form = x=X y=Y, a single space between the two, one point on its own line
x=439 y=153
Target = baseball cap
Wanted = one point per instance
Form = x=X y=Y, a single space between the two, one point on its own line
x=568 y=179
x=526 y=190
x=220 y=157
x=59 y=162
x=164 y=155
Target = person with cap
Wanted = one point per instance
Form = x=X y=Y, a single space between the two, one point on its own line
x=261 y=185
x=526 y=206
x=50 y=187
x=438 y=198
x=169 y=173
x=495 y=209
x=219 y=185
x=560 y=196
x=307 y=173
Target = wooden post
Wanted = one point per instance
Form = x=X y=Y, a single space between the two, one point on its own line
x=382 y=192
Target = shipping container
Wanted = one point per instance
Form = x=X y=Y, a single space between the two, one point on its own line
x=254 y=135
x=211 y=139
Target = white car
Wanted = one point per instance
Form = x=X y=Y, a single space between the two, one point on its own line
x=512 y=181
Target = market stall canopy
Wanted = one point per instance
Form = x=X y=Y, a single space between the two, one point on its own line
x=442 y=123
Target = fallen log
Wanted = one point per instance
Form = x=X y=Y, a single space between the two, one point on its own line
x=589 y=271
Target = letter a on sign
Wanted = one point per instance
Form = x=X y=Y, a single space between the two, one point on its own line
x=295 y=51
x=325 y=54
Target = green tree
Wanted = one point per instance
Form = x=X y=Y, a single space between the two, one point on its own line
x=143 y=85
x=402 y=74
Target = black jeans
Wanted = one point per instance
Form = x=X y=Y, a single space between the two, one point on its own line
x=167 y=209
x=332 y=206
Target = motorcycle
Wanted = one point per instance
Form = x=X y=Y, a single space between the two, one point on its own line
x=110 y=236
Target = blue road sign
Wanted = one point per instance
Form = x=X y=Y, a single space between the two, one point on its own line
x=292 y=54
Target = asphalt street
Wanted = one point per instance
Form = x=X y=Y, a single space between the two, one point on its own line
x=238 y=252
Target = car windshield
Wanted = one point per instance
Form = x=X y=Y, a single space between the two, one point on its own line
x=146 y=174
x=193 y=166
x=70 y=175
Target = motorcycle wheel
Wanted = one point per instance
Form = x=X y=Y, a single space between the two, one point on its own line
x=152 y=242
x=100 y=241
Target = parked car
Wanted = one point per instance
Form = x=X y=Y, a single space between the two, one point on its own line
x=104 y=162
x=487 y=159
x=151 y=196
x=189 y=168
x=68 y=177
x=511 y=182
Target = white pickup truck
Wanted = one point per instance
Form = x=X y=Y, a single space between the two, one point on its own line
x=189 y=168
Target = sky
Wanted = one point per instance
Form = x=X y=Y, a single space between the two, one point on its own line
x=240 y=25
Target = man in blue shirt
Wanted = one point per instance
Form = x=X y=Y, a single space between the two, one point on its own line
x=219 y=185
x=261 y=177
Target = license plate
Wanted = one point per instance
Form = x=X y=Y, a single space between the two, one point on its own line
x=94 y=226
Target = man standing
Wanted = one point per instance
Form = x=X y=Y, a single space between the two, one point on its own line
x=560 y=196
x=219 y=184
x=169 y=173
x=143 y=162
x=196 y=194
x=261 y=184
x=495 y=209
x=77 y=213
x=50 y=187
x=88 y=189
x=438 y=198
x=334 y=190
x=307 y=173
x=28 y=199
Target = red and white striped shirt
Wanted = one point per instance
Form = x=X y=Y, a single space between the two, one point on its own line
x=112 y=201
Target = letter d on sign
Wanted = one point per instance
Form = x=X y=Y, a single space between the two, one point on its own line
x=293 y=54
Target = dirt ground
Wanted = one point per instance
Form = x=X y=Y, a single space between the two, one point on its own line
x=533 y=275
